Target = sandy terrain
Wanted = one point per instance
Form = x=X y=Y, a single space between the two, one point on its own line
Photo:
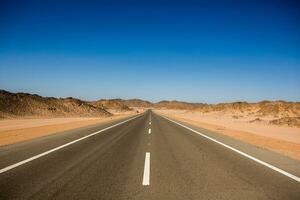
x=26 y=116
x=282 y=139
x=16 y=130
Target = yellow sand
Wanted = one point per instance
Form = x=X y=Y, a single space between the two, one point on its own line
x=16 y=130
x=281 y=139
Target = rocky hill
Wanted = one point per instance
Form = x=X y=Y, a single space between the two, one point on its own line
x=138 y=103
x=178 y=105
x=32 y=105
x=115 y=104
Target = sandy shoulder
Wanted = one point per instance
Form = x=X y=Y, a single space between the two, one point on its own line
x=283 y=140
x=17 y=130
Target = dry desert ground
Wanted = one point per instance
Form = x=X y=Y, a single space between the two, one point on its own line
x=17 y=130
x=279 y=138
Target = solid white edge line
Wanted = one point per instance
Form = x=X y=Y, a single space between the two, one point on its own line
x=149 y=131
x=5 y=169
x=296 y=178
x=146 y=176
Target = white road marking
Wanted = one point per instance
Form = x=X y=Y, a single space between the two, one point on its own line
x=149 y=131
x=296 y=178
x=5 y=169
x=146 y=177
x=149 y=123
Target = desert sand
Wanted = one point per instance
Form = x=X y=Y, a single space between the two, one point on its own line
x=281 y=139
x=17 y=130
x=26 y=116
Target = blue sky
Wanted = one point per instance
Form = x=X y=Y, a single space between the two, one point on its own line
x=216 y=51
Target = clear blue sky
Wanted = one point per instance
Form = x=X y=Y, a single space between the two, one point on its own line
x=200 y=52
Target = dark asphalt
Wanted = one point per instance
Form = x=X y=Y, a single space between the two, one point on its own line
x=110 y=165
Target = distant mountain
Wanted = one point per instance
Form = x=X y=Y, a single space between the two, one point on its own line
x=115 y=104
x=177 y=105
x=138 y=103
x=121 y=104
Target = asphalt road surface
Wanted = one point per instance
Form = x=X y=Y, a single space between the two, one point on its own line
x=145 y=157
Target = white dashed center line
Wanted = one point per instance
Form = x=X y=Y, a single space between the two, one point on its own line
x=146 y=177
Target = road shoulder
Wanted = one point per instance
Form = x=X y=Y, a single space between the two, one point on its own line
x=19 y=130
x=283 y=162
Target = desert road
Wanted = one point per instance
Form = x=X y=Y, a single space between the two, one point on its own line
x=143 y=157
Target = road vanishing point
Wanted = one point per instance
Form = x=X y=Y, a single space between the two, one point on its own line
x=147 y=156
